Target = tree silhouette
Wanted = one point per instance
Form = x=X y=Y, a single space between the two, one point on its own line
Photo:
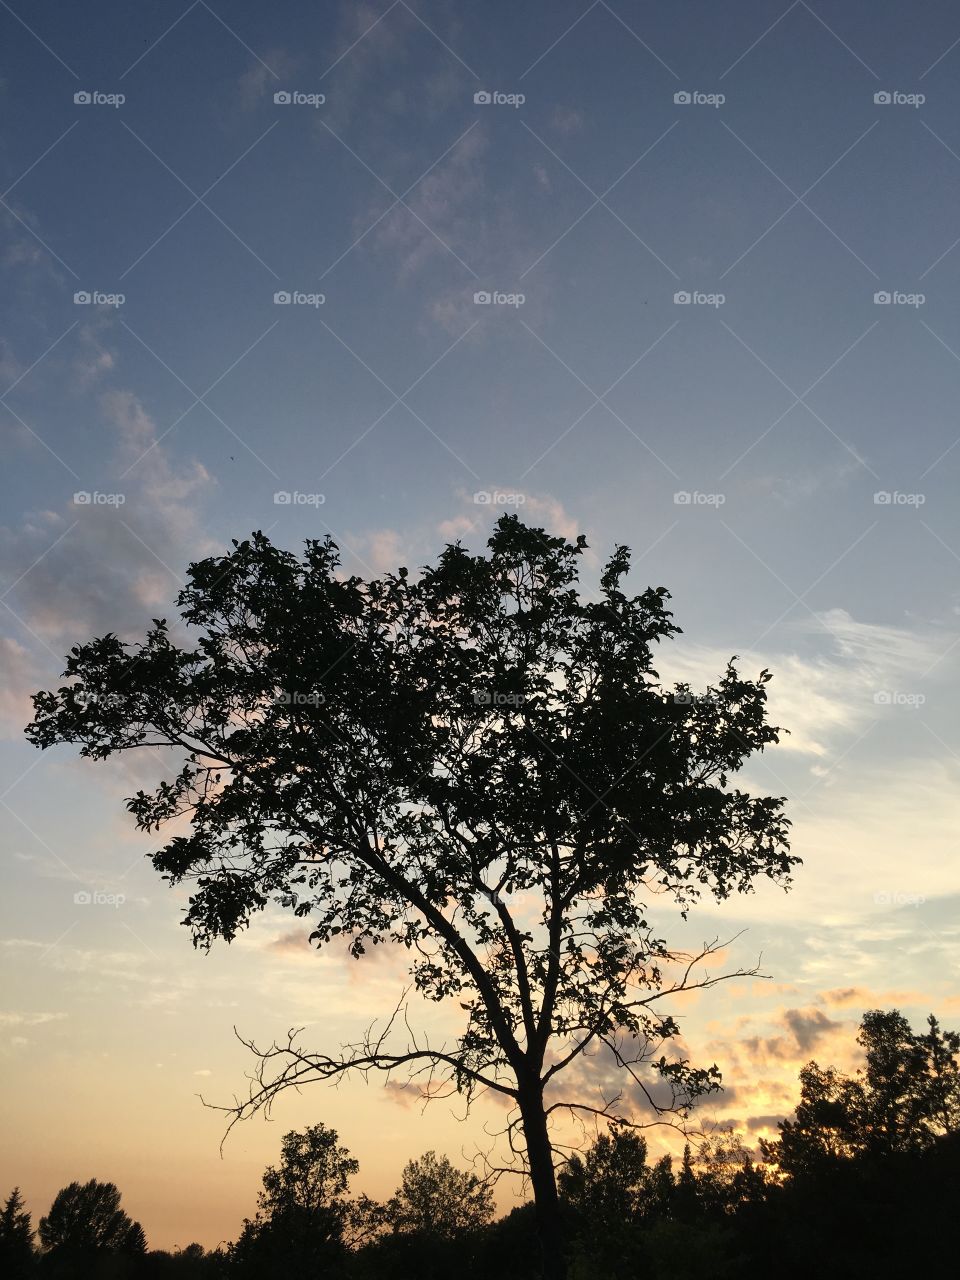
x=609 y=1191
x=905 y=1098
x=17 y=1252
x=302 y=1210
x=479 y=765
x=86 y=1219
x=435 y=1199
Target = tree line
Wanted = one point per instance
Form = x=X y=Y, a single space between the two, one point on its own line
x=862 y=1181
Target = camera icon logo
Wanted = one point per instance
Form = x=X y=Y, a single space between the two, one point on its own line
x=282 y=498
x=83 y=898
x=882 y=99
x=82 y=498
x=483 y=497
x=481 y=697
x=482 y=298
x=681 y=298
x=883 y=698
x=281 y=298
x=683 y=498
x=881 y=298
x=482 y=98
x=82 y=98
x=282 y=98
x=682 y=98
x=82 y=298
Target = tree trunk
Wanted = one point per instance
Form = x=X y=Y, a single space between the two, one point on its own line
x=544 y=1181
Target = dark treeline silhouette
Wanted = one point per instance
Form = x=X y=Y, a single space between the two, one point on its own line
x=863 y=1181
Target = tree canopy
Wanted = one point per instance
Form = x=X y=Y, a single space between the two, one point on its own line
x=904 y=1098
x=86 y=1218
x=478 y=764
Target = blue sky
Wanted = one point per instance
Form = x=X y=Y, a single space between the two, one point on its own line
x=784 y=197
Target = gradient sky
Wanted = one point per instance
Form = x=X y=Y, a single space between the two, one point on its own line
x=784 y=410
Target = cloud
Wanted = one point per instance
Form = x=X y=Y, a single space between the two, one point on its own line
x=380 y=550
x=85 y=569
x=440 y=214
x=809 y=1027
x=764 y=1122
x=295 y=943
x=29 y=1019
x=21 y=673
x=842 y=996
x=821 y=696
x=260 y=82
x=566 y=120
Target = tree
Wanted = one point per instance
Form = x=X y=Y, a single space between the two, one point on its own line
x=17 y=1253
x=613 y=1183
x=610 y=1192
x=435 y=1199
x=87 y=1219
x=905 y=1098
x=478 y=764
x=302 y=1210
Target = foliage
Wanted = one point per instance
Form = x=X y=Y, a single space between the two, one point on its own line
x=877 y=1205
x=479 y=764
x=17 y=1251
x=905 y=1097
x=435 y=1199
x=302 y=1209
x=86 y=1219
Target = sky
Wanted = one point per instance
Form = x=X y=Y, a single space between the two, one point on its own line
x=676 y=275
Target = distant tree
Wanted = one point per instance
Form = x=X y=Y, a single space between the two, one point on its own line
x=479 y=765
x=728 y=1177
x=436 y=1199
x=610 y=1191
x=302 y=1210
x=86 y=1219
x=905 y=1098
x=17 y=1250
x=433 y=1227
x=865 y=1153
